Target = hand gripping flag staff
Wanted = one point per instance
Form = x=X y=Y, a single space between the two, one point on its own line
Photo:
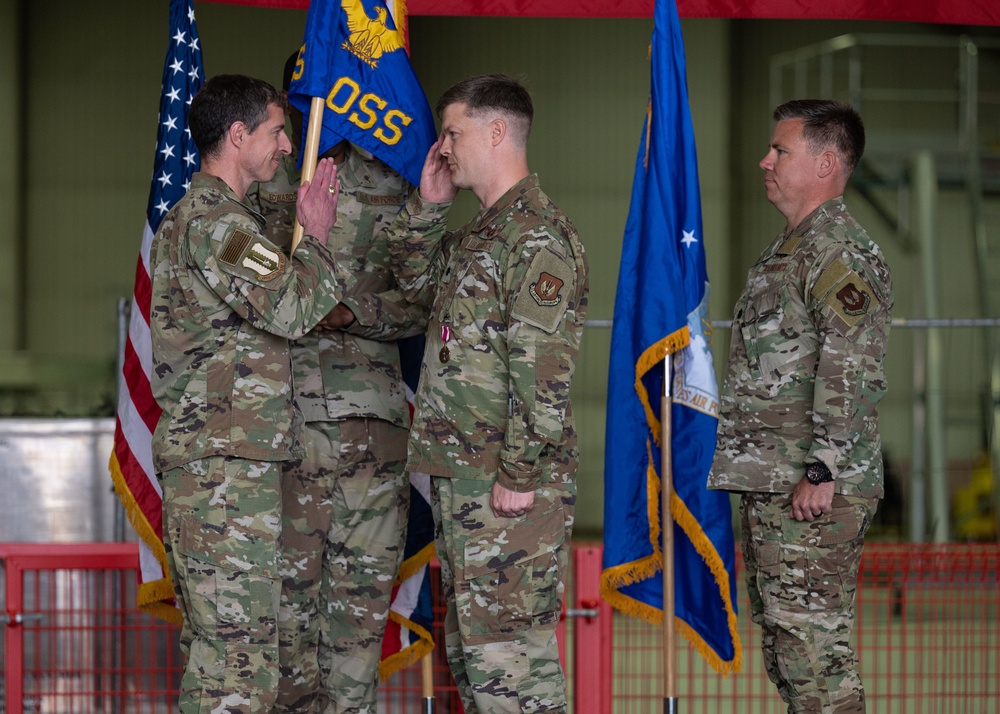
x=353 y=80
x=131 y=463
x=658 y=513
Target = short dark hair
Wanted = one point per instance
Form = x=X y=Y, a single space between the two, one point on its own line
x=828 y=124
x=493 y=92
x=224 y=100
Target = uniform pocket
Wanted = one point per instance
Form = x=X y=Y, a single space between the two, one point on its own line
x=830 y=548
x=509 y=582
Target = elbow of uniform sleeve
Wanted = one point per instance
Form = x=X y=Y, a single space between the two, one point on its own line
x=520 y=480
x=364 y=309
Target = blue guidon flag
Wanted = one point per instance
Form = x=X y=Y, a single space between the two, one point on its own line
x=661 y=312
x=354 y=57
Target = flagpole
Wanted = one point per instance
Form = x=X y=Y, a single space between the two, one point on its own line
x=667 y=529
x=427 y=681
x=309 y=158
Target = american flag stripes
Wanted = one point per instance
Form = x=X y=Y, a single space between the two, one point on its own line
x=131 y=463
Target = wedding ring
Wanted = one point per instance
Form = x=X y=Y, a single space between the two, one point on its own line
x=332 y=188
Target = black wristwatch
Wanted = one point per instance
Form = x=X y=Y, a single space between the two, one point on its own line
x=817 y=473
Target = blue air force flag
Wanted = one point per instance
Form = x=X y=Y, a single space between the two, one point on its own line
x=661 y=312
x=354 y=57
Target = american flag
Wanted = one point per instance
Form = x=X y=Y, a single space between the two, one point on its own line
x=131 y=463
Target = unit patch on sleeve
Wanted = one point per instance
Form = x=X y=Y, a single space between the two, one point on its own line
x=243 y=250
x=845 y=292
x=543 y=298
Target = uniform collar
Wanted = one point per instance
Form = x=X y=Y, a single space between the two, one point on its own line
x=203 y=180
x=786 y=244
x=514 y=193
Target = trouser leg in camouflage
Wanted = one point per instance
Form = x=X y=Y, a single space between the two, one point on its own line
x=345 y=509
x=802 y=578
x=221 y=526
x=503 y=585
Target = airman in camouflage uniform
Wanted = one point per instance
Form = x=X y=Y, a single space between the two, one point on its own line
x=345 y=505
x=225 y=302
x=493 y=424
x=798 y=427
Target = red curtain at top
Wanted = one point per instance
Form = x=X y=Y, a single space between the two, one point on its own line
x=948 y=12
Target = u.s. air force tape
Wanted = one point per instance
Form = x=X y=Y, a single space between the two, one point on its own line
x=246 y=251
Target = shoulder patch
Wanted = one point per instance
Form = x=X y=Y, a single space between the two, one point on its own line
x=545 y=290
x=234 y=247
x=845 y=292
x=543 y=298
x=244 y=250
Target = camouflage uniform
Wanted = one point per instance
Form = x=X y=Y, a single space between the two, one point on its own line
x=508 y=297
x=346 y=503
x=225 y=302
x=804 y=381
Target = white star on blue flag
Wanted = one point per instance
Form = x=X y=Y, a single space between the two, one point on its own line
x=176 y=154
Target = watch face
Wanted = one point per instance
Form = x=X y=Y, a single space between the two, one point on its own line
x=817 y=474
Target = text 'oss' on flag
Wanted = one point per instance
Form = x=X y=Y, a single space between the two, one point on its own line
x=354 y=57
x=131 y=464
x=661 y=312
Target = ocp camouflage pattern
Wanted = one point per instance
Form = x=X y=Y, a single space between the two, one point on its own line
x=346 y=502
x=221 y=525
x=225 y=301
x=508 y=297
x=502 y=580
x=801 y=580
x=342 y=374
x=805 y=371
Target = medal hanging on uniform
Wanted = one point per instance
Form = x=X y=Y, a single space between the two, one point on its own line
x=445 y=354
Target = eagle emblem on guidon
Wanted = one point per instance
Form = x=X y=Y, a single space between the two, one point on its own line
x=369 y=38
x=545 y=290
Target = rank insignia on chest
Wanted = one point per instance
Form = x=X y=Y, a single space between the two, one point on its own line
x=545 y=290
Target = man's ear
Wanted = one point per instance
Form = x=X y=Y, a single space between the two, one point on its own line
x=827 y=164
x=237 y=133
x=498 y=130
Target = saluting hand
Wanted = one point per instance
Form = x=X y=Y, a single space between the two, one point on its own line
x=316 y=204
x=435 y=177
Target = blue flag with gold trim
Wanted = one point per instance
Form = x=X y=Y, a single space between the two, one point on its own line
x=354 y=56
x=661 y=312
